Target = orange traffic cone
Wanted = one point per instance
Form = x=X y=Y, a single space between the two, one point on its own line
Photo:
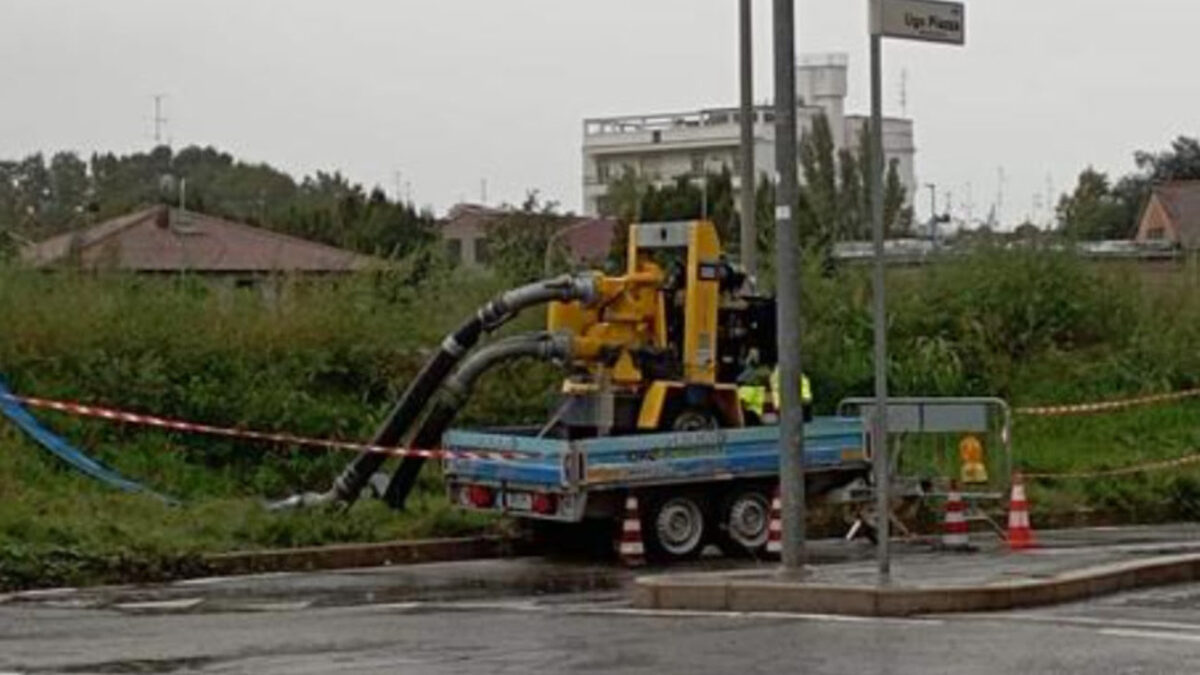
x=630 y=549
x=955 y=535
x=1020 y=533
x=775 y=525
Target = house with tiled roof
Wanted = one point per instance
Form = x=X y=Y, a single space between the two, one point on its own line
x=164 y=240
x=1172 y=214
x=586 y=240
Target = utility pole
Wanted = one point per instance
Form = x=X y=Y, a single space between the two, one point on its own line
x=933 y=216
x=879 y=439
x=787 y=271
x=159 y=120
x=749 y=231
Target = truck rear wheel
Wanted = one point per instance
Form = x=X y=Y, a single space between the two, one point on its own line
x=674 y=528
x=744 y=519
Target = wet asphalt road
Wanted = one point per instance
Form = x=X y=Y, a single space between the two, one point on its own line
x=1155 y=631
x=533 y=615
x=426 y=620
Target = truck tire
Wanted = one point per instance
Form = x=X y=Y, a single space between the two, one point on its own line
x=674 y=527
x=692 y=419
x=742 y=522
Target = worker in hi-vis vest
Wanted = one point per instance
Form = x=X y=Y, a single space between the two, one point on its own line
x=753 y=389
x=805 y=394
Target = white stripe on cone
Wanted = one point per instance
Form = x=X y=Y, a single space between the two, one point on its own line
x=630 y=548
x=954 y=517
x=775 y=526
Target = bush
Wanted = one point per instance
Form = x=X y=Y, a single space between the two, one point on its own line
x=328 y=358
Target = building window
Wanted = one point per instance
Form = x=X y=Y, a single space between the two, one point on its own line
x=454 y=250
x=1156 y=233
x=483 y=254
x=698 y=163
x=602 y=171
x=656 y=136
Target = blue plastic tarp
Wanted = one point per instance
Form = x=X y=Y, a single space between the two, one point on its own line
x=61 y=448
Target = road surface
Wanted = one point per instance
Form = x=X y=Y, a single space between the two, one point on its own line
x=249 y=625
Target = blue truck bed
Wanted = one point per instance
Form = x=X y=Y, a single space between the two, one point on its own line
x=571 y=470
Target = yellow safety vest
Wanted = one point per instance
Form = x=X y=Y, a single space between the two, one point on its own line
x=753 y=398
x=805 y=389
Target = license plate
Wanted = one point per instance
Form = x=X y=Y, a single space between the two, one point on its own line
x=520 y=501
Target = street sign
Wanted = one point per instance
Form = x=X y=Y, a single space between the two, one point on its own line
x=927 y=20
x=931 y=21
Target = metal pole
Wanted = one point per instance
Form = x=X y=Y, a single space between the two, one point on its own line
x=749 y=231
x=933 y=218
x=787 y=253
x=879 y=436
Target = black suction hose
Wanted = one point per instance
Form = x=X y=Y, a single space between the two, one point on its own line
x=457 y=390
x=407 y=410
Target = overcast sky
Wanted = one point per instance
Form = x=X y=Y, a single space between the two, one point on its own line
x=452 y=92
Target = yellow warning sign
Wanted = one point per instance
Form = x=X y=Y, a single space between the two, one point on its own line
x=970 y=451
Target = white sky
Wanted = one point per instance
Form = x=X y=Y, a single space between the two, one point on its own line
x=450 y=92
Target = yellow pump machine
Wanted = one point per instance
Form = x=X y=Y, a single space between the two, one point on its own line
x=662 y=345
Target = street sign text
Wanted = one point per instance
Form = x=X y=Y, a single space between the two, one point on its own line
x=928 y=20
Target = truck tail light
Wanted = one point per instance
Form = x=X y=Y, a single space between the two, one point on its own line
x=480 y=497
x=544 y=504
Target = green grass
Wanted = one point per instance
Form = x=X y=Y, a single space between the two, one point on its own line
x=58 y=527
x=328 y=359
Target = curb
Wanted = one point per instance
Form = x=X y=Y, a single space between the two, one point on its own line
x=768 y=593
x=358 y=555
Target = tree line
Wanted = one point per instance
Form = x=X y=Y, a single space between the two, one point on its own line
x=1102 y=208
x=42 y=197
x=833 y=197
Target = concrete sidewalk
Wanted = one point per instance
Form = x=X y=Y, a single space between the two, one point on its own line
x=1068 y=565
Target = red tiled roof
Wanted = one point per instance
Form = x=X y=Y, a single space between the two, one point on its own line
x=1182 y=202
x=589 y=239
x=161 y=239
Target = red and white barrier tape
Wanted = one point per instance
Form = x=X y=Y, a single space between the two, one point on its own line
x=1104 y=406
x=1123 y=471
x=264 y=436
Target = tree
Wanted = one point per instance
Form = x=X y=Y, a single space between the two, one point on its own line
x=518 y=243
x=632 y=198
x=1098 y=209
x=835 y=195
x=833 y=204
x=1180 y=162
x=39 y=200
x=1093 y=210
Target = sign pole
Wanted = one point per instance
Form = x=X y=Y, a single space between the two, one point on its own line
x=749 y=232
x=879 y=437
x=787 y=306
x=928 y=21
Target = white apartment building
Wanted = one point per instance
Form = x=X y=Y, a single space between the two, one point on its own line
x=661 y=148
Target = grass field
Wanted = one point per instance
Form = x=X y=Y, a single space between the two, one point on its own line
x=327 y=360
